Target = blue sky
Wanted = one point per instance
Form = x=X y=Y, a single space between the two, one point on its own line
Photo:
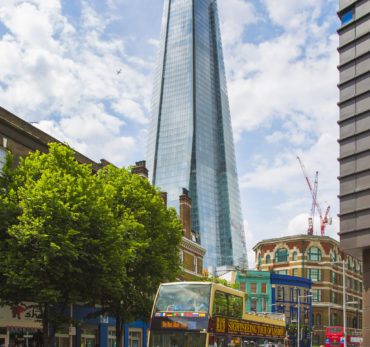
x=58 y=69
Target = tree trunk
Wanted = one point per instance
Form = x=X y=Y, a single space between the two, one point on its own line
x=119 y=332
x=45 y=326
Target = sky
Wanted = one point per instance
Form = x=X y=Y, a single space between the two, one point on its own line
x=82 y=71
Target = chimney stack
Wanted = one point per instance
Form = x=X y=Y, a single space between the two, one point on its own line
x=140 y=169
x=185 y=213
x=164 y=197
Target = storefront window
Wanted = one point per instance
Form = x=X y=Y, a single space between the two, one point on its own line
x=112 y=338
x=62 y=338
x=254 y=304
x=135 y=338
x=89 y=337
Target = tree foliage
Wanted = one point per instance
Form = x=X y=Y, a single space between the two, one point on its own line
x=69 y=236
x=65 y=243
x=155 y=236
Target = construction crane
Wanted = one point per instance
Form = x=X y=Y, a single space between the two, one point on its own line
x=324 y=220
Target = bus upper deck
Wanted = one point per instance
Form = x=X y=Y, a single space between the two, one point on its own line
x=208 y=314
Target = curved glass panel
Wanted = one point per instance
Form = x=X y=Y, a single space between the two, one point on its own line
x=187 y=297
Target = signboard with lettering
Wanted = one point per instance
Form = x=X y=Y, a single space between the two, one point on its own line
x=20 y=316
x=179 y=323
x=223 y=325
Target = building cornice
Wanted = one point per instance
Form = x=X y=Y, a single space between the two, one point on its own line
x=301 y=237
x=192 y=246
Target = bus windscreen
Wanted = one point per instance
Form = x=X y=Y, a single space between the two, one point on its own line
x=186 y=297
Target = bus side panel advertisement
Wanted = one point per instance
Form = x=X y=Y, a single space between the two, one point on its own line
x=223 y=325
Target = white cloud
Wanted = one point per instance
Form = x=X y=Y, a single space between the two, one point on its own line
x=250 y=240
x=67 y=74
x=235 y=15
x=283 y=87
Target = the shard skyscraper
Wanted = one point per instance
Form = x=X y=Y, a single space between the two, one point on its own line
x=190 y=141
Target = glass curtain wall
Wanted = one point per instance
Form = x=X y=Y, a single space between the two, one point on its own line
x=190 y=142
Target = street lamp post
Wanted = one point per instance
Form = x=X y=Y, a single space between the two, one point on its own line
x=299 y=317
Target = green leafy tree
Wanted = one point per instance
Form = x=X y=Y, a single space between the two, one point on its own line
x=154 y=235
x=62 y=244
x=216 y=280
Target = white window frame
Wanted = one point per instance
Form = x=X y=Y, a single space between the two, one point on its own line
x=3 y=153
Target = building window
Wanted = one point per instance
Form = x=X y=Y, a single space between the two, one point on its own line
x=135 y=337
x=334 y=297
x=360 y=269
x=360 y=287
x=195 y=264
x=354 y=267
x=348 y=282
x=316 y=295
x=295 y=255
x=295 y=295
x=254 y=304
x=111 y=337
x=295 y=272
x=280 y=294
x=268 y=259
x=264 y=305
x=355 y=285
x=314 y=254
x=282 y=272
x=281 y=255
x=253 y=287
x=318 y=319
x=334 y=256
x=334 y=277
x=259 y=260
x=242 y=286
x=182 y=257
x=349 y=264
x=334 y=321
x=314 y=274
x=3 y=154
x=263 y=288
x=347 y=16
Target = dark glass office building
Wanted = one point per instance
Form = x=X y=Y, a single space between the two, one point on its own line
x=190 y=141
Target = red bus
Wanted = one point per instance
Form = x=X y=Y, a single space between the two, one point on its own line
x=334 y=337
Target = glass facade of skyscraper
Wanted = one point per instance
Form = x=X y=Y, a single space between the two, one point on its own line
x=190 y=143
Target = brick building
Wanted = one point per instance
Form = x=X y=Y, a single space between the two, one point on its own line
x=192 y=252
x=20 y=138
x=312 y=257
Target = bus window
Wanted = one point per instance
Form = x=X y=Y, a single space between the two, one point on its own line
x=177 y=339
x=227 y=305
x=184 y=297
x=220 y=303
x=235 y=306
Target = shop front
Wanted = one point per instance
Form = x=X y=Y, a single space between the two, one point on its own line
x=19 y=327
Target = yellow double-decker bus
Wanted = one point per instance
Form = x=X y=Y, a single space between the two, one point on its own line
x=205 y=314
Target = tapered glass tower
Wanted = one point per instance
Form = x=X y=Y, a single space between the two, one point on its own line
x=190 y=142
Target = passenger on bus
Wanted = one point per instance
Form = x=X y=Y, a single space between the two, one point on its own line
x=201 y=305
